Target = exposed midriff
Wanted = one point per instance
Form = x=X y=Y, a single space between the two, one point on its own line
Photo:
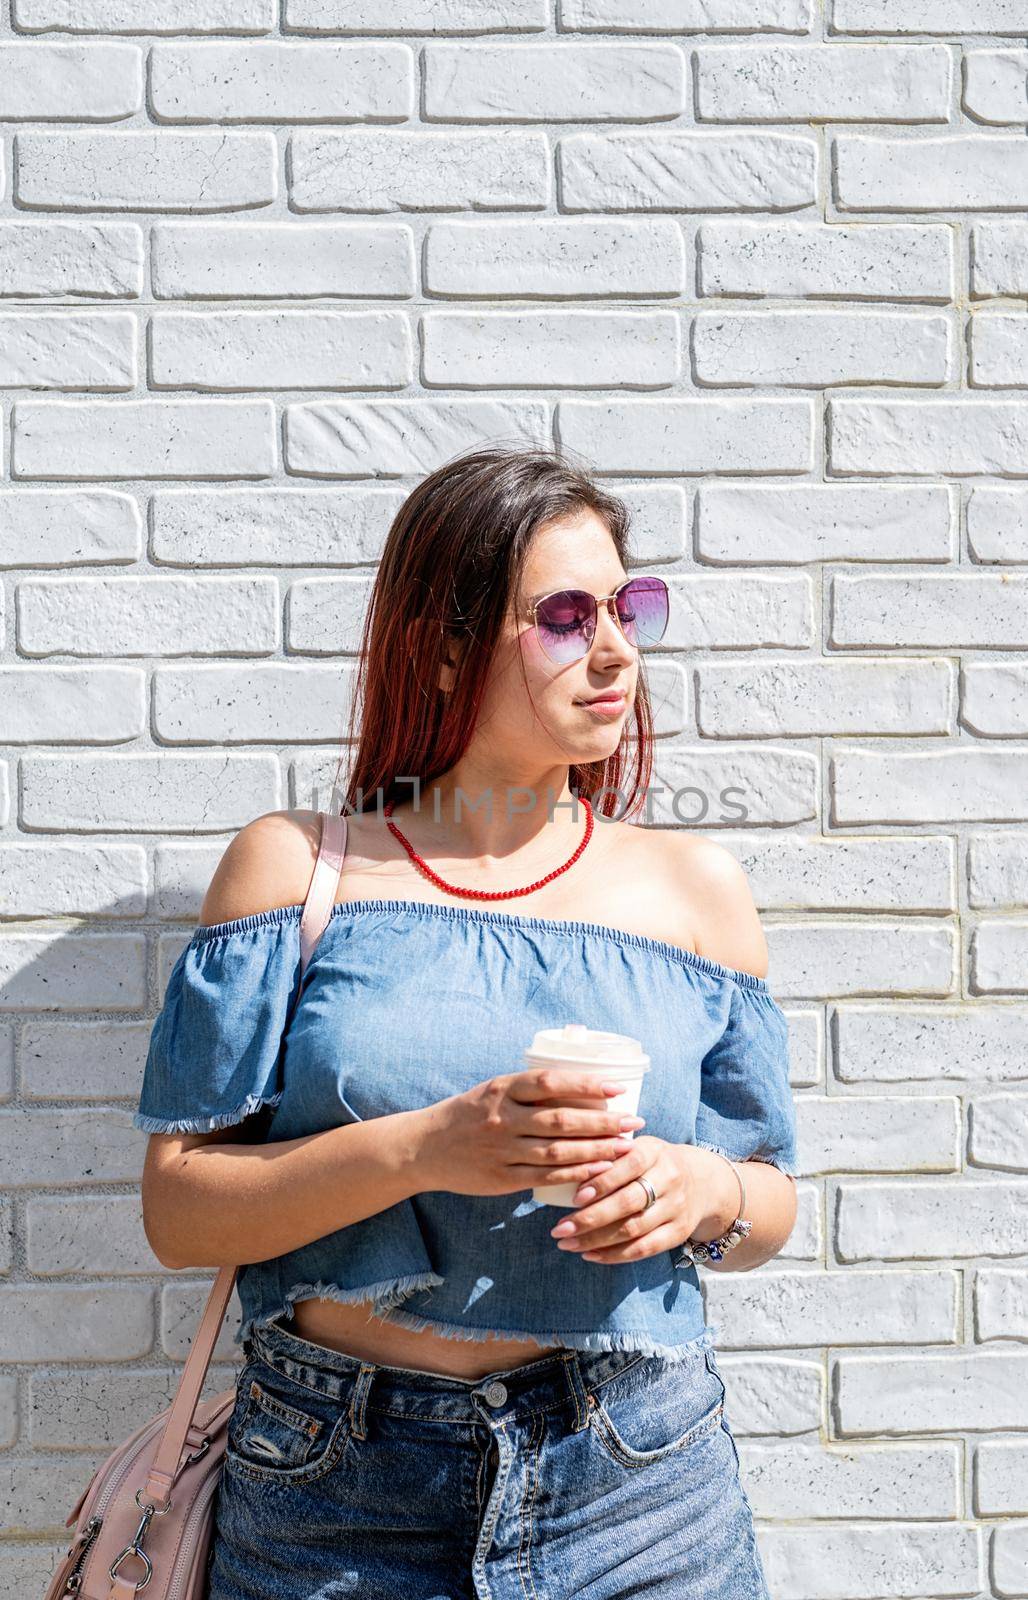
x=356 y=1331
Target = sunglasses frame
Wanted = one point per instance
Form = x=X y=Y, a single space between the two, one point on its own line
x=597 y=600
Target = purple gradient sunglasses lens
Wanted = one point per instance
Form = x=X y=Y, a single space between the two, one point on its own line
x=566 y=622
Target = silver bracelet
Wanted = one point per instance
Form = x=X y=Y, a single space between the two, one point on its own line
x=696 y=1250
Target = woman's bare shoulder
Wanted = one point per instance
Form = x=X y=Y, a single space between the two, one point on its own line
x=717 y=896
x=266 y=866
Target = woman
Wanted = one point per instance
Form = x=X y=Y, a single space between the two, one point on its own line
x=447 y=1389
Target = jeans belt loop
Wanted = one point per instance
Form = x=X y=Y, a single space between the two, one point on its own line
x=576 y=1384
x=359 y=1400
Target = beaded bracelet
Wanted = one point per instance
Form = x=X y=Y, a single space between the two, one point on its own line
x=695 y=1250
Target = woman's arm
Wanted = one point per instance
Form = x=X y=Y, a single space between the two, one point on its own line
x=213 y=1200
x=221 y=1198
x=729 y=931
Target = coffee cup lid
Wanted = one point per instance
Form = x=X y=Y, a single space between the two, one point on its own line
x=576 y=1042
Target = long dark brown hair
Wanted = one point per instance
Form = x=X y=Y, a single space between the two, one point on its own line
x=453 y=556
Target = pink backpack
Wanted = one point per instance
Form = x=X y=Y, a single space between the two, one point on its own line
x=146 y=1515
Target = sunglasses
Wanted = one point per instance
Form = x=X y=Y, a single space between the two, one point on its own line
x=565 y=621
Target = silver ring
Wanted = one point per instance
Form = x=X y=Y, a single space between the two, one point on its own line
x=651 y=1193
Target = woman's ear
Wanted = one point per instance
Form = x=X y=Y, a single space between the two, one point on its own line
x=453 y=649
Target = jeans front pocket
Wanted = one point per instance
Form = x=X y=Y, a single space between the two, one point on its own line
x=281 y=1433
x=654 y=1408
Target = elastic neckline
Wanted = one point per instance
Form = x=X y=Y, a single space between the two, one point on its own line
x=503 y=919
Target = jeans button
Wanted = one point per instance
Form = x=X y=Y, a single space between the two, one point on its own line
x=495 y=1393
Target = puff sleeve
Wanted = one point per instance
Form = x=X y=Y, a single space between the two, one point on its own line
x=746 y=1109
x=217 y=1046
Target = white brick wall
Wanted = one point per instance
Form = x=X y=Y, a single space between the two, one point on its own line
x=764 y=264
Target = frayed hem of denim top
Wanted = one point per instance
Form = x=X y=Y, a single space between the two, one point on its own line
x=387 y=1300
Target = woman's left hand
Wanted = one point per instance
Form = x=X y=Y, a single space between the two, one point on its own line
x=612 y=1225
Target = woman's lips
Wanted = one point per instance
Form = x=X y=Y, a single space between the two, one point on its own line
x=604 y=708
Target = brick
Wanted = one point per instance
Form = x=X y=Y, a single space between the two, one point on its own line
x=948 y=172
x=760 y=523
x=281 y=350
x=393 y=438
x=721 y=787
x=932 y=1391
x=882 y=1133
x=997 y=870
x=87 y=83
x=835 y=82
x=568 y=82
x=279 y=82
x=43 y=1149
x=143 y=439
x=999 y=349
x=687 y=16
x=184 y=793
x=415 y=16
x=929 y=436
x=820 y=348
x=972 y=1042
x=326 y=615
x=364 y=169
x=82 y=1060
x=994 y=85
x=999 y=258
x=558 y=256
x=997 y=523
x=757 y=434
x=34 y=1491
x=72 y=972
x=963 y=784
x=994 y=702
x=85 y=1408
x=81 y=1322
x=997 y=1123
x=815 y=872
x=775 y=1309
x=281 y=259
x=534 y=349
x=793 y=698
x=146 y=16
x=69 y=879
x=958 y=1217
x=793 y=1480
x=97 y=1234
x=932 y=1560
x=811 y=260
x=134 y=169
x=149 y=616
x=70 y=350
x=181 y=1304
x=1000 y=1477
x=235 y=705
x=941 y=609
x=71 y=705
x=1010 y=1555
x=927 y=16
x=999 y=958
x=719 y=612
x=50 y=259
x=688 y=171
x=68 y=527
x=182 y=873
x=1000 y=1303
x=876 y=956
x=272 y=527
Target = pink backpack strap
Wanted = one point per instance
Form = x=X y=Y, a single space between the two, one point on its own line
x=324 y=884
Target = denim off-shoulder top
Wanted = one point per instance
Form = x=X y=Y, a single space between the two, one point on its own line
x=405 y=1003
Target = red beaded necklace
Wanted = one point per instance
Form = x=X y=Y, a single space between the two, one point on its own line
x=487 y=894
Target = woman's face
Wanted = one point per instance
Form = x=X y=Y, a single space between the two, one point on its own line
x=550 y=725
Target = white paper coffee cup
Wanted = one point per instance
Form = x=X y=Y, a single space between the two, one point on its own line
x=616 y=1056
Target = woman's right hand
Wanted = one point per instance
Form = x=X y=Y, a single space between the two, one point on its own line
x=519 y=1130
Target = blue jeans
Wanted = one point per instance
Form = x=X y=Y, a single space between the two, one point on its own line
x=596 y=1476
